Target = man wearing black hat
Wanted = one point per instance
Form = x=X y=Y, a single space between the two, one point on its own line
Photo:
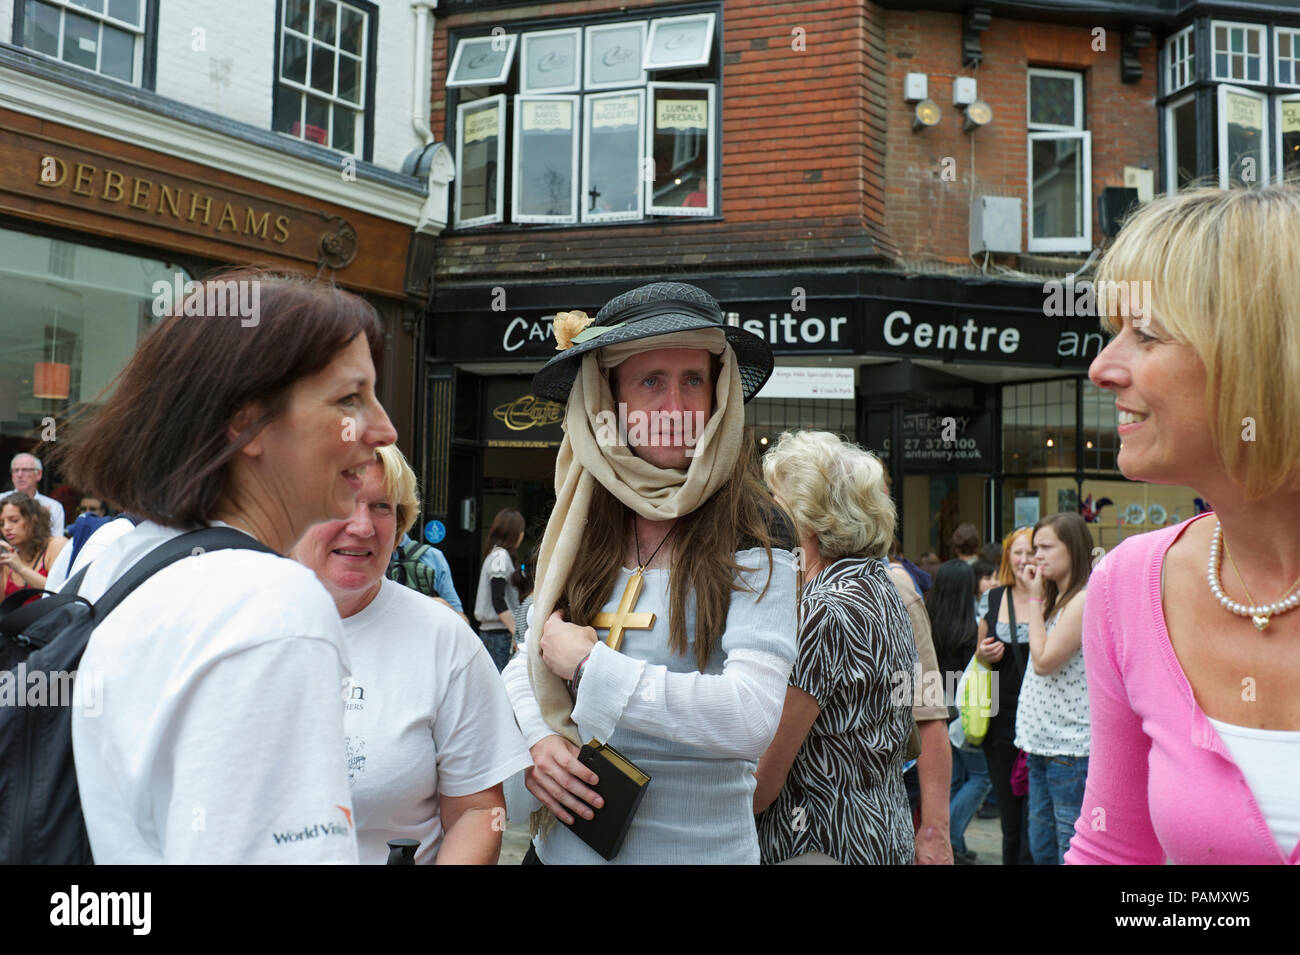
x=664 y=619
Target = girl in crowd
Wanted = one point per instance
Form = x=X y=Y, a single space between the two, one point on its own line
x=1003 y=645
x=1052 y=724
x=954 y=630
x=497 y=601
x=429 y=732
x=837 y=758
x=1190 y=632
x=28 y=549
x=220 y=739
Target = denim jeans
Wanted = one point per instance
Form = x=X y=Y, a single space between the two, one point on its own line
x=1055 y=801
x=970 y=784
x=498 y=646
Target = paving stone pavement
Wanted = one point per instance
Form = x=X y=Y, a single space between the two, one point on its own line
x=984 y=836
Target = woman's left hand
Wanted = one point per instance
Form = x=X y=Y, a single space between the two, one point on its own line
x=9 y=557
x=1031 y=576
x=564 y=645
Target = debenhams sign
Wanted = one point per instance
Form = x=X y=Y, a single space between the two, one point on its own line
x=140 y=199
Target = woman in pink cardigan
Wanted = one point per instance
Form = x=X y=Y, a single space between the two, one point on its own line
x=1192 y=645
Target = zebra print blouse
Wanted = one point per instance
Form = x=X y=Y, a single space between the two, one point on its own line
x=844 y=795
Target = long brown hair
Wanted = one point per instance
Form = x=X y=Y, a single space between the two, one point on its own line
x=1074 y=534
x=38 y=523
x=505 y=530
x=158 y=446
x=704 y=554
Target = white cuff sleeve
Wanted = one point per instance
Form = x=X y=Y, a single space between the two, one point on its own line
x=520 y=690
x=608 y=681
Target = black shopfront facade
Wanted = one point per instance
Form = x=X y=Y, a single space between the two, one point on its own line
x=928 y=358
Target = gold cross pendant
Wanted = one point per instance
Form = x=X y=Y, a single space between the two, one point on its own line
x=623 y=618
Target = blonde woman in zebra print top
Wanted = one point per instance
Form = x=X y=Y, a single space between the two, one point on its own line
x=831 y=783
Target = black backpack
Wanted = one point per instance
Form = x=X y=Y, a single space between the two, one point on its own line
x=407 y=569
x=40 y=808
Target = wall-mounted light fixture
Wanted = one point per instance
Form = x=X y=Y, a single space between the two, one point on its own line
x=978 y=113
x=927 y=114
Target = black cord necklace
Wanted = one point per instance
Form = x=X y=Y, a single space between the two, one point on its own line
x=637 y=538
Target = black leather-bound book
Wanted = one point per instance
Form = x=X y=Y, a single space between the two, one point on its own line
x=622 y=785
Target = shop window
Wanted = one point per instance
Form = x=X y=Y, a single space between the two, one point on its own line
x=104 y=36
x=1060 y=164
x=1287 y=64
x=1288 y=122
x=73 y=317
x=1038 y=426
x=1100 y=429
x=611 y=160
x=1180 y=142
x=480 y=170
x=1180 y=60
x=676 y=42
x=1243 y=136
x=769 y=417
x=546 y=159
x=1238 y=50
x=608 y=122
x=325 y=51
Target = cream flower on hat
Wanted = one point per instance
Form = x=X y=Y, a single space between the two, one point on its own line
x=566 y=325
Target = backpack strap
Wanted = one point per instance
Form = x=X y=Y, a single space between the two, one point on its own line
x=168 y=552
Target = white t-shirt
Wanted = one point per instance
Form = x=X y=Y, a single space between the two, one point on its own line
x=1270 y=762
x=95 y=545
x=426 y=713
x=214 y=731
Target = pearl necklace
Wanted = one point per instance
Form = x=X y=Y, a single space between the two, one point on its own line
x=1258 y=614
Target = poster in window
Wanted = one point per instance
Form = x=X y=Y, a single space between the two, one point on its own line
x=481 y=124
x=1242 y=129
x=613 y=161
x=1026 y=508
x=614 y=55
x=545 y=160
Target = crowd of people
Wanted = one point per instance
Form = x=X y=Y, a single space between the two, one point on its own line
x=701 y=660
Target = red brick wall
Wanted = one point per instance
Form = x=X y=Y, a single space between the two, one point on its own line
x=802 y=146
x=927 y=217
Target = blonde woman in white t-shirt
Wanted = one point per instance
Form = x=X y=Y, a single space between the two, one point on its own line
x=219 y=739
x=429 y=732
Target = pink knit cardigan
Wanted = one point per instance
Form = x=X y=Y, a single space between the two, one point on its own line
x=1160 y=781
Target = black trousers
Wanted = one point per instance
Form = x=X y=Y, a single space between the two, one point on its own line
x=1000 y=751
x=530 y=857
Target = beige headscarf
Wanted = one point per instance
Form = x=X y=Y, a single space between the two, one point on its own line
x=655 y=493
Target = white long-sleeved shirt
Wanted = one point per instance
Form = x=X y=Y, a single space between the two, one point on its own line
x=698 y=735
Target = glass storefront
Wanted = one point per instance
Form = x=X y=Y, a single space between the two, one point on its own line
x=72 y=316
x=1053 y=463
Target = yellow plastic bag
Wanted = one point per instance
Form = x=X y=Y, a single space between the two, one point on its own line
x=975 y=701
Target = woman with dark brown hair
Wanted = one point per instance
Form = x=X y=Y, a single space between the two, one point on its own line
x=664 y=538
x=221 y=733
x=1053 y=725
x=28 y=549
x=497 y=601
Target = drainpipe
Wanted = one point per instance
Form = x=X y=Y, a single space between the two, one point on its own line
x=422 y=63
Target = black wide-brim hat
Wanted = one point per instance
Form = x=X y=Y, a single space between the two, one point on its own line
x=661 y=308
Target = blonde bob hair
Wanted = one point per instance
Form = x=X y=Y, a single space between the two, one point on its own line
x=399 y=487
x=834 y=490
x=1223 y=268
